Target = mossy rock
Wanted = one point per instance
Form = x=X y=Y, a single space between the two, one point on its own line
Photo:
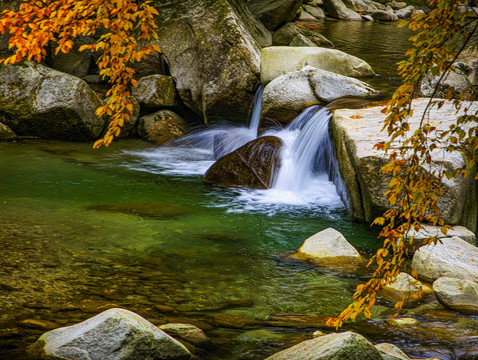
x=161 y=127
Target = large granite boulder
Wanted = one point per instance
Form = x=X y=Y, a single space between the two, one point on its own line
x=457 y=294
x=381 y=15
x=212 y=48
x=161 y=127
x=449 y=257
x=115 y=334
x=328 y=247
x=356 y=131
x=253 y=165
x=338 y=10
x=38 y=101
x=155 y=91
x=347 y=345
x=280 y=60
x=274 y=13
x=285 y=97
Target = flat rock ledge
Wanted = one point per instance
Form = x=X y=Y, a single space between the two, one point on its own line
x=355 y=132
x=115 y=334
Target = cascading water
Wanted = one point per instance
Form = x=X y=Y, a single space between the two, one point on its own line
x=308 y=176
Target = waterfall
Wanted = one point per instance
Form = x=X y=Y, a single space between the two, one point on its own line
x=256 y=112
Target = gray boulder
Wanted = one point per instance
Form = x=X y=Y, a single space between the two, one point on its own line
x=75 y=63
x=280 y=60
x=457 y=294
x=253 y=165
x=405 y=12
x=328 y=247
x=450 y=257
x=381 y=15
x=301 y=40
x=155 y=91
x=288 y=32
x=305 y=16
x=347 y=345
x=338 y=10
x=391 y=352
x=115 y=334
x=286 y=96
x=455 y=81
x=274 y=13
x=397 y=5
x=38 y=101
x=356 y=131
x=404 y=288
x=429 y=231
x=161 y=127
x=213 y=52
x=316 y=12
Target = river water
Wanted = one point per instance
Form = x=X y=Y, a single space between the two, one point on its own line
x=134 y=226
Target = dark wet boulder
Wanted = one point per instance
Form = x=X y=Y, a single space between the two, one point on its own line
x=274 y=13
x=253 y=165
x=38 y=101
x=213 y=52
x=115 y=334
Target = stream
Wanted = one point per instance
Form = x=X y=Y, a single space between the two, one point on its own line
x=134 y=226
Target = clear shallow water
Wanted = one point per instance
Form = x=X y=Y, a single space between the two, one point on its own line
x=84 y=230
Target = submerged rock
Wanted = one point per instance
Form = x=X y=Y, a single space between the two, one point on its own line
x=347 y=345
x=253 y=165
x=114 y=334
x=38 y=101
x=280 y=60
x=213 y=52
x=288 y=95
x=356 y=131
x=145 y=209
x=187 y=332
x=457 y=294
x=450 y=257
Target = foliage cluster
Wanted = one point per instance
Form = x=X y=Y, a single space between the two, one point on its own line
x=127 y=32
x=415 y=187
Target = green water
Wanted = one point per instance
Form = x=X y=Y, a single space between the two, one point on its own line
x=84 y=230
